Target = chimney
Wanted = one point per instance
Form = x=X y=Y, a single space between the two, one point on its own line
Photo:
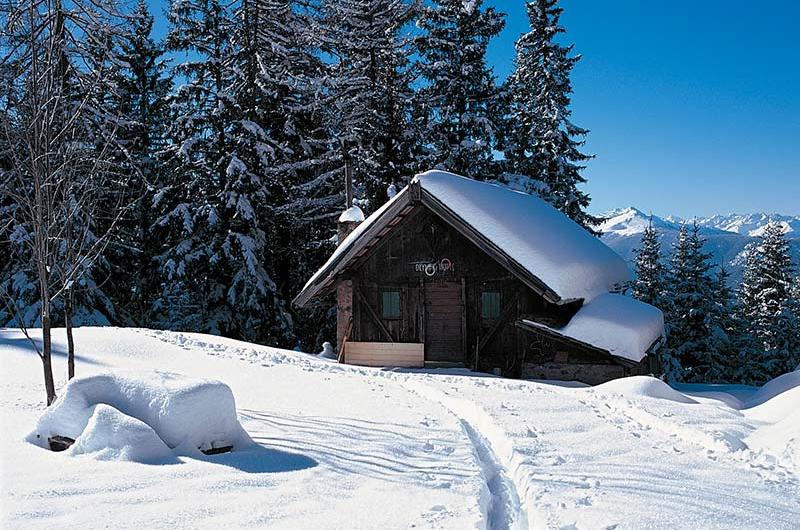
x=352 y=216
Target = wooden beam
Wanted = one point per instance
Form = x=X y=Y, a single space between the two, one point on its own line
x=464 y=316
x=372 y=313
x=330 y=270
x=502 y=321
x=341 y=358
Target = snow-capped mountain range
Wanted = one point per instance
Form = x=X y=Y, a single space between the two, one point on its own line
x=727 y=234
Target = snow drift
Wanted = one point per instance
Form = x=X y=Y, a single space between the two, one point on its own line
x=111 y=435
x=188 y=415
x=777 y=403
x=643 y=386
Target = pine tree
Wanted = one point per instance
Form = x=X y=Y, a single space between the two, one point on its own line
x=650 y=283
x=303 y=180
x=692 y=317
x=139 y=102
x=766 y=304
x=189 y=201
x=540 y=141
x=460 y=98
x=369 y=99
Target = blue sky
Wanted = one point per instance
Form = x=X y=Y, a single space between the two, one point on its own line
x=693 y=107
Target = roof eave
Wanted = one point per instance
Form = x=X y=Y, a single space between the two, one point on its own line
x=325 y=281
x=528 y=325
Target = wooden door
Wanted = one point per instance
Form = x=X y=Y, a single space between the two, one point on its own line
x=444 y=313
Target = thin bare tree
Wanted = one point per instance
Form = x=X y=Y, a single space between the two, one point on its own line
x=60 y=163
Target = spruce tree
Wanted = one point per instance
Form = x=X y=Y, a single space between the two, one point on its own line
x=190 y=201
x=459 y=97
x=767 y=305
x=692 y=316
x=539 y=140
x=139 y=101
x=369 y=98
x=649 y=286
x=302 y=180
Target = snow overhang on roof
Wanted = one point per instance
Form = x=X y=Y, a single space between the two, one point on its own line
x=620 y=325
x=534 y=241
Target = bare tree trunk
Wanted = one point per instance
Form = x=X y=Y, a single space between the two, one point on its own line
x=49 y=384
x=70 y=340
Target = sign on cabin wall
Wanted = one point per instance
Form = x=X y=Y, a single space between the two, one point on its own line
x=432 y=268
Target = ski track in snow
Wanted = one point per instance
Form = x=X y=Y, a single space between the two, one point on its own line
x=501 y=506
x=504 y=510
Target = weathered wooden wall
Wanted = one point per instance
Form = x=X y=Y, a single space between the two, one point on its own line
x=441 y=275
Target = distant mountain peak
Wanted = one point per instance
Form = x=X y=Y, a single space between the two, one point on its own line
x=726 y=234
x=630 y=221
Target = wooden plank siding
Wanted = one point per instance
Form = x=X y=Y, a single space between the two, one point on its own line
x=442 y=310
x=440 y=317
x=443 y=313
x=399 y=354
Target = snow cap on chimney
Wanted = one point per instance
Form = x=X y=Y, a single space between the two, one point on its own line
x=348 y=221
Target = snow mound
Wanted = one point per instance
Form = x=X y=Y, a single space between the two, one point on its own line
x=352 y=214
x=778 y=404
x=327 y=351
x=774 y=388
x=643 y=386
x=111 y=435
x=623 y=326
x=189 y=415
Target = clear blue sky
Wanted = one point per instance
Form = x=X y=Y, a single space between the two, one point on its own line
x=693 y=107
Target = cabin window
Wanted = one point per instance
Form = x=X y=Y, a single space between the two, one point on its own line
x=390 y=304
x=490 y=304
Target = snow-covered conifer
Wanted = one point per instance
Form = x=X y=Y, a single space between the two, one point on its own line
x=692 y=316
x=369 y=95
x=650 y=283
x=767 y=305
x=539 y=139
x=139 y=104
x=189 y=201
x=460 y=98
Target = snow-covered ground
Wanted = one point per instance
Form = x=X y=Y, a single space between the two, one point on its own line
x=348 y=447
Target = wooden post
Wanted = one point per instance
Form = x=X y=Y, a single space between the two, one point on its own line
x=341 y=359
x=464 y=317
x=344 y=311
x=348 y=177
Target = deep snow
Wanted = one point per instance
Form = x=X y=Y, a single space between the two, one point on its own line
x=189 y=415
x=353 y=447
x=111 y=435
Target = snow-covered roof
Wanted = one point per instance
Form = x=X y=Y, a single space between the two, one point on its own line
x=547 y=243
x=537 y=240
x=619 y=324
x=352 y=214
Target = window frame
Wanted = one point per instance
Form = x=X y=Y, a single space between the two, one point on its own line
x=483 y=304
x=389 y=291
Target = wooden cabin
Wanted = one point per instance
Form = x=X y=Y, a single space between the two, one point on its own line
x=455 y=272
